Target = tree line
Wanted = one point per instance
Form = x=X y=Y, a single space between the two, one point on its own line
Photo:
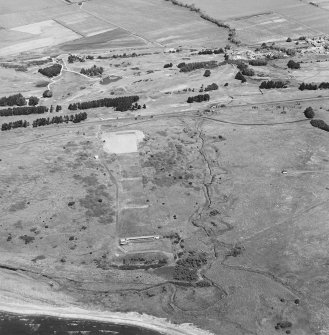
x=310 y=86
x=51 y=71
x=198 y=98
x=211 y=51
x=93 y=71
x=272 y=84
x=76 y=118
x=120 y=103
x=15 y=124
x=24 y=110
x=188 y=67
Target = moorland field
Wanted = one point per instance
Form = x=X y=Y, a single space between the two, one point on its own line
x=161 y=159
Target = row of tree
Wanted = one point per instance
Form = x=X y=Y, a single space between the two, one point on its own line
x=120 y=103
x=309 y=86
x=76 y=118
x=211 y=51
x=188 y=67
x=51 y=71
x=15 y=124
x=93 y=71
x=272 y=84
x=198 y=98
x=24 y=110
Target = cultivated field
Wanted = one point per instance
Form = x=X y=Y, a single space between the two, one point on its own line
x=264 y=21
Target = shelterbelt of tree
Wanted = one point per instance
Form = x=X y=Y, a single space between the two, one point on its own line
x=23 y=110
x=120 y=103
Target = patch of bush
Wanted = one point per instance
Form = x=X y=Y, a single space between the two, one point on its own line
x=258 y=62
x=198 y=98
x=211 y=87
x=186 y=268
x=51 y=71
x=320 y=124
x=309 y=113
x=27 y=239
x=293 y=65
x=47 y=94
x=93 y=71
x=167 y=65
x=75 y=58
x=33 y=101
x=207 y=73
x=240 y=76
x=13 y=100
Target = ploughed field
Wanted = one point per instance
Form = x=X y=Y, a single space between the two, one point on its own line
x=98 y=24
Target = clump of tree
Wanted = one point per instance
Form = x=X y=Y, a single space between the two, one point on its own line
x=245 y=70
x=272 y=84
x=15 y=124
x=76 y=118
x=309 y=113
x=207 y=73
x=51 y=71
x=47 y=94
x=186 y=269
x=240 y=76
x=120 y=103
x=289 y=40
x=293 y=65
x=93 y=71
x=188 y=67
x=168 y=65
x=320 y=124
x=211 y=87
x=33 y=101
x=258 y=62
x=308 y=86
x=198 y=98
x=13 y=100
x=27 y=110
x=75 y=58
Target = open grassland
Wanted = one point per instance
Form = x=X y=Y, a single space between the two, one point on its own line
x=235 y=187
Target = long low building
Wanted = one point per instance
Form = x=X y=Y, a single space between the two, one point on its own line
x=126 y=240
